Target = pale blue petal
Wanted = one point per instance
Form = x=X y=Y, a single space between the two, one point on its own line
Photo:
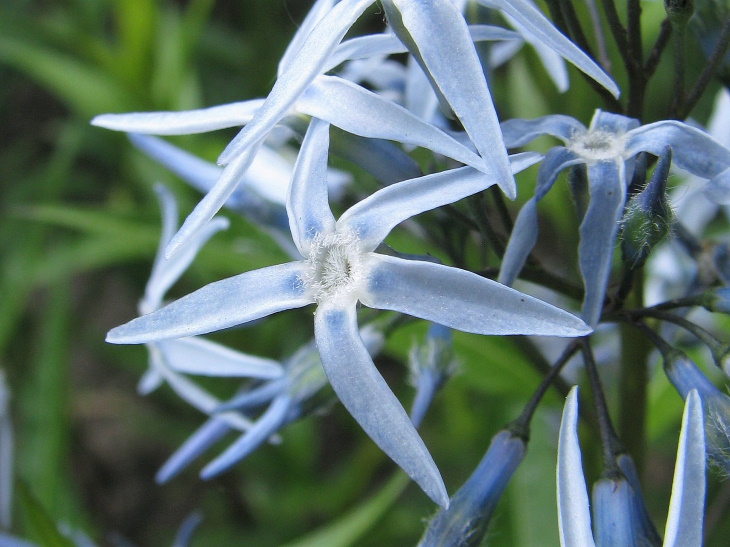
x=362 y=112
x=614 y=519
x=551 y=60
x=574 y=517
x=462 y=300
x=268 y=423
x=182 y=123
x=531 y=18
x=150 y=381
x=220 y=305
x=187 y=528
x=375 y=216
x=420 y=98
x=521 y=242
x=718 y=189
x=314 y=16
x=692 y=149
x=518 y=132
x=166 y=271
x=686 y=508
x=645 y=527
x=502 y=52
x=208 y=434
x=616 y=124
x=362 y=390
x=308 y=62
x=307 y=203
x=205 y=358
x=598 y=234
x=445 y=46
x=215 y=199
x=254 y=397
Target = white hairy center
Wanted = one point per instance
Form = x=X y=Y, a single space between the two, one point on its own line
x=334 y=266
x=598 y=145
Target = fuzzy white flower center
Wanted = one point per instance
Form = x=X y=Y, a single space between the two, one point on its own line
x=598 y=145
x=335 y=266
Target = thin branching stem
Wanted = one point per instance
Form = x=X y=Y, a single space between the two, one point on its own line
x=655 y=54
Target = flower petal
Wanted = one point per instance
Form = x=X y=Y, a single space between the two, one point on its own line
x=531 y=18
x=368 y=398
x=220 y=305
x=362 y=112
x=598 y=233
x=518 y=132
x=686 y=508
x=314 y=16
x=307 y=203
x=181 y=123
x=269 y=423
x=205 y=358
x=375 y=216
x=462 y=300
x=574 y=517
x=308 y=62
x=436 y=33
x=208 y=434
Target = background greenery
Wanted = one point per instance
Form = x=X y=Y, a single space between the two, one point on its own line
x=78 y=230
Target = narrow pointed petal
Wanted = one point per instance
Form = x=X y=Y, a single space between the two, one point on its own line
x=220 y=305
x=362 y=112
x=181 y=123
x=314 y=16
x=598 y=233
x=166 y=271
x=208 y=434
x=521 y=242
x=615 y=520
x=213 y=201
x=309 y=61
x=205 y=358
x=518 y=132
x=307 y=203
x=254 y=397
x=449 y=57
x=362 y=390
x=150 y=381
x=574 y=516
x=462 y=300
x=551 y=60
x=375 y=216
x=269 y=423
x=532 y=19
x=686 y=508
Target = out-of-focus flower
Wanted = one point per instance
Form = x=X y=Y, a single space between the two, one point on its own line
x=465 y=522
x=340 y=268
x=618 y=520
x=7 y=446
x=171 y=360
x=297 y=393
x=607 y=149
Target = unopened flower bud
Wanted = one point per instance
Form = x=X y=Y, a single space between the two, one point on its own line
x=679 y=11
x=648 y=216
x=465 y=522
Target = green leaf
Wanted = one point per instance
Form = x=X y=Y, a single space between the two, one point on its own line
x=39 y=523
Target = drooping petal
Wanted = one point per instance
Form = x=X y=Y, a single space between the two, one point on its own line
x=205 y=358
x=368 y=398
x=308 y=62
x=686 y=508
x=181 y=123
x=518 y=132
x=220 y=305
x=254 y=397
x=531 y=18
x=462 y=300
x=375 y=216
x=269 y=423
x=215 y=199
x=150 y=381
x=208 y=434
x=362 y=112
x=574 y=516
x=307 y=203
x=598 y=233
x=437 y=35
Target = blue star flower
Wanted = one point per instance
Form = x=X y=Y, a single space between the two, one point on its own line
x=607 y=148
x=339 y=268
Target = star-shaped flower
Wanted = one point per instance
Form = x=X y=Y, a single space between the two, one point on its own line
x=619 y=519
x=340 y=268
x=607 y=148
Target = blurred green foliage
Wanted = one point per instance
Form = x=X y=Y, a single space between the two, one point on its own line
x=78 y=231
